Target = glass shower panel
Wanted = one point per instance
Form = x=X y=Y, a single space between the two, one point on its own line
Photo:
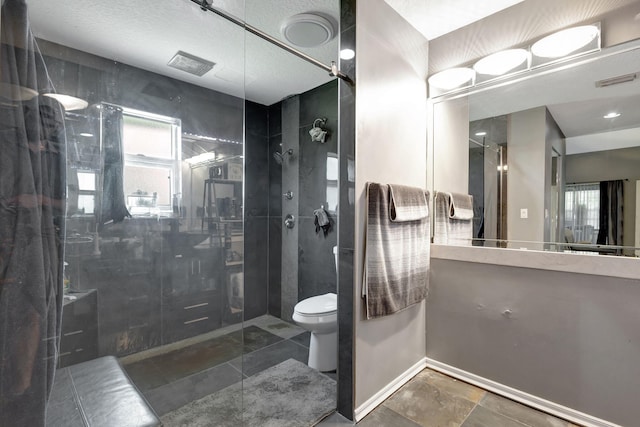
x=288 y=257
x=153 y=254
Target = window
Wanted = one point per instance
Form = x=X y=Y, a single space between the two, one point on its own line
x=151 y=145
x=86 y=191
x=582 y=211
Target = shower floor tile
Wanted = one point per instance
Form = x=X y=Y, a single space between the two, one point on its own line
x=252 y=363
x=172 y=396
x=276 y=326
x=177 y=364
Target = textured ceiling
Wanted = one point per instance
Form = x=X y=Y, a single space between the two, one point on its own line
x=148 y=34
x=433 y=18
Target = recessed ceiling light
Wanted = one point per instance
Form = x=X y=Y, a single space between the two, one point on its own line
x=347 y=54
x=483 y=133
x=501 y=62
x=565 y=42
x=451 y=78
x=611 y=115
x=307 y=30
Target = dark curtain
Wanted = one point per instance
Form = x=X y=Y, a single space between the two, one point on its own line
x=611 y=205
x=32 y=203
x=113 y=206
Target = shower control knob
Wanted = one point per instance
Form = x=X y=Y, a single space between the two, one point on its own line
x=289 y=221
x=288 y=195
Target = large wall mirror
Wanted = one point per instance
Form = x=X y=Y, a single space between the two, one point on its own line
x=551 y=156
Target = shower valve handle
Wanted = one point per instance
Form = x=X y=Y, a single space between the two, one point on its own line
x=289 y=221
x=288 y=195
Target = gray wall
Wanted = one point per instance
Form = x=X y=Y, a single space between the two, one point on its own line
x=572 y=339
x=390 y=148
x=527 y=173
x=610 y=165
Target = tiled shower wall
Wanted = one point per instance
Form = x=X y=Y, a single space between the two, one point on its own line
x=301 y=262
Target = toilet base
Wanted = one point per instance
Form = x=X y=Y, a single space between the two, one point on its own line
x=323 y=351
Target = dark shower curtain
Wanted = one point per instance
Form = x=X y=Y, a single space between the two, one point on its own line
x=611 y=206
x=32 y=204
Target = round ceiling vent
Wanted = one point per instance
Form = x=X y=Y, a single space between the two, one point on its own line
x=307 y=30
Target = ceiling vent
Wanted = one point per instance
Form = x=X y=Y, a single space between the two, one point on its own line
x=308 y=30
x=190 y=63
x=617 y=80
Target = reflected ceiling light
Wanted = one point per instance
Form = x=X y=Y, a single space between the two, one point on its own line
x=69 y=102
x=451 y=78
x=501 y=62
x=483 y=133
x=201 y=158
x=347 y=54
x=87 y=134
x=612 y=115
x=565 y=42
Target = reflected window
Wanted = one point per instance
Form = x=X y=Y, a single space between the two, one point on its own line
x=332 y=181
x=582 y=212
x=151 y=146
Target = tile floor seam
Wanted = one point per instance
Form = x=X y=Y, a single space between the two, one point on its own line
x=525 y=424
x=297 y=343
x=396 y=412
x=476 y=404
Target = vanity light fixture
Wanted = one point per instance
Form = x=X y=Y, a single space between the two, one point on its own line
x=565 y=42
x=612 y=115
x=452 y=78
x=347 y=54
x=502 y=62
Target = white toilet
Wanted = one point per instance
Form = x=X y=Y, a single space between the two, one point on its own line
x=319 y=315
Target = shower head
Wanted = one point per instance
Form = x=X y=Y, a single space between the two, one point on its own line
x=279 y=157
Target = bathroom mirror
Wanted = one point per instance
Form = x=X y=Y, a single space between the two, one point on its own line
x=551 y=155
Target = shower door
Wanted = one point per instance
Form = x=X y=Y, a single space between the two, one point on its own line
x=154 y=104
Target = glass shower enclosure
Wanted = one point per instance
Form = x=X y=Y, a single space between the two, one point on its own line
x=177 y=260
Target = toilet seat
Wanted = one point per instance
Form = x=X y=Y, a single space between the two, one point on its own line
x=321 y=305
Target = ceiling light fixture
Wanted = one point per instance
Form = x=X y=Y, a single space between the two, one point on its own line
x=308 y=30
x=565 y=42
x=201 y=158
x=612 y=115
x=452 y=78
x=69 y=102
x=347 y=54
x=501 y=62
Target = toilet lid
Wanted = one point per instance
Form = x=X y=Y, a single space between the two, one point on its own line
x=320 y=304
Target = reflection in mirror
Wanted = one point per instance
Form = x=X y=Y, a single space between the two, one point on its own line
x=572 y=135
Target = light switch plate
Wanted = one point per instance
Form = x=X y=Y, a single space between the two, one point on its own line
x=524 y=213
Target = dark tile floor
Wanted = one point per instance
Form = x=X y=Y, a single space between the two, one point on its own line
x=171 y=380
x=432 y=399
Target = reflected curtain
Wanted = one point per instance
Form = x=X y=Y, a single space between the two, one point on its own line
x=32 y=203
x=611 y=206
x=113 y=206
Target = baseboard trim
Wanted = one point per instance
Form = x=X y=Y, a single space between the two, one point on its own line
x=375 y=400
x=520 y=396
